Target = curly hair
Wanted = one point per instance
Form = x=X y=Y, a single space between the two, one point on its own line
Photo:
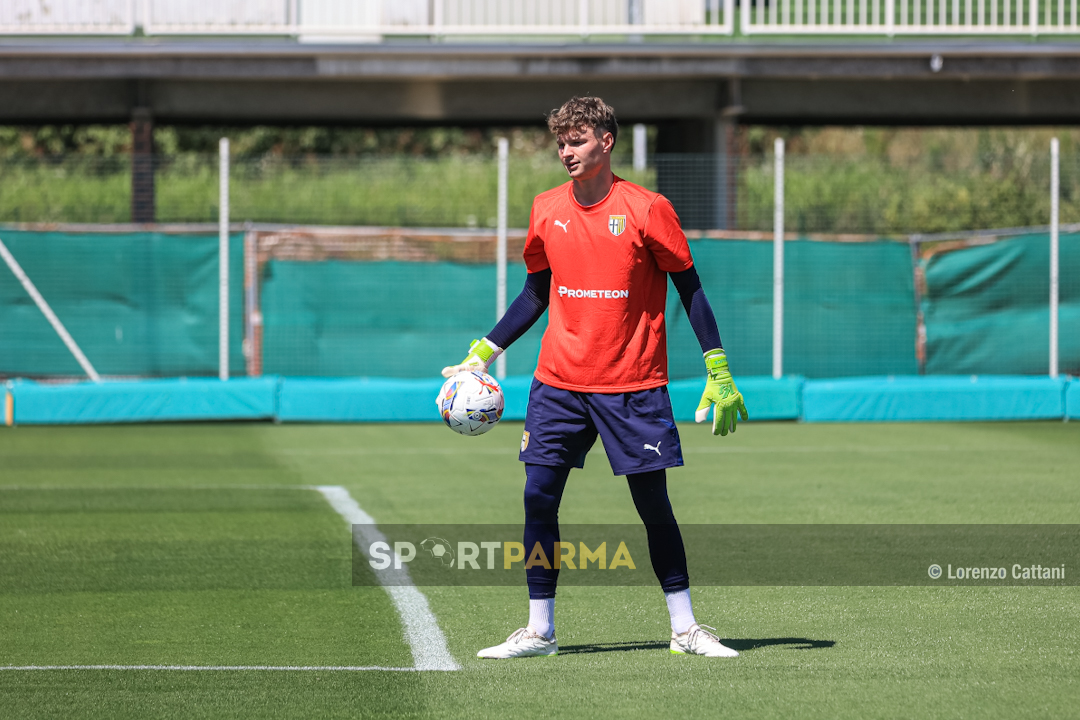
x=582 y=113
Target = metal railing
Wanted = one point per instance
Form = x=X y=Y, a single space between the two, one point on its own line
x=67 y=17
x=909 y=17
x=372 y=20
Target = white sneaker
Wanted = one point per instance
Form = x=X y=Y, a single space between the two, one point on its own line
x=523 y=643
x=698 y=641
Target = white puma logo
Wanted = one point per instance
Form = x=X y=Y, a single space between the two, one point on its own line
x=560 y=223
x=653 y=447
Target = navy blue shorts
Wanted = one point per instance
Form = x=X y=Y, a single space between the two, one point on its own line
x=637 y=428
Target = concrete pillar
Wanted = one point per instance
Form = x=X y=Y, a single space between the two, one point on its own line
x=727 y=196
x=142 y=166
x=697 y=169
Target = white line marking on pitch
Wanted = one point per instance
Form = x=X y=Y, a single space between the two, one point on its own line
x=156 y=488
x=422 y=630
x=387 y=451
x=765 y=449
x=282 y=668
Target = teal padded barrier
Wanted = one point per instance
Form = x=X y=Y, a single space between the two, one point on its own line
x=983 y=397
x=395 y=399
x=1072 y=400
x=366 y=399
x=145 y=401
x=766 y=398
x=379 y=399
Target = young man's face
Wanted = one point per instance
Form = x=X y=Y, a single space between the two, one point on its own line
x=583 y=154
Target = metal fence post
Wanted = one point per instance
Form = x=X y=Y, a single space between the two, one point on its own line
x=500 y=248
x=438 y=17
x=294 y=17
x=142 y=166
x=778 y=262
x=1055 y=188
x=129 y=10
x=252 y=310
x=640 y=146
x=223 y=259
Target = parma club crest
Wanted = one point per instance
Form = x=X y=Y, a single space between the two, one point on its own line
x=616 y=224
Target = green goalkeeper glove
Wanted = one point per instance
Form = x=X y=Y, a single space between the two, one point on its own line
x=481 y=354
x=720 y=394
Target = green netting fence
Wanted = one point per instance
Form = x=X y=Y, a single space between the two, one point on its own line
x=391 y=319
x=986 y=307
x=849 y=308
x=137 y=304
x=145 y=304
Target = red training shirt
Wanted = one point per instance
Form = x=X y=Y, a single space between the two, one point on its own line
x=609 y=265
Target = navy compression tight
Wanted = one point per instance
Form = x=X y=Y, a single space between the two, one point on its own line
x=544 y=487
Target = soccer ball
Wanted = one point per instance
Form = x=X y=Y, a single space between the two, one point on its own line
x=470 y=402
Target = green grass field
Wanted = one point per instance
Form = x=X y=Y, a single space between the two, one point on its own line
x=197 y=545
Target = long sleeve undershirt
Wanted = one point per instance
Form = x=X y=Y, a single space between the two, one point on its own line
x=524 y=311
x=702 y=320
x=535 y=296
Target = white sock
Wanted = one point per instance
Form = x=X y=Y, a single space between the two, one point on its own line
x=542 y=616
x=681 y=610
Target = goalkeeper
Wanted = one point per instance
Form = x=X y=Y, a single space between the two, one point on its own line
x=598 y=252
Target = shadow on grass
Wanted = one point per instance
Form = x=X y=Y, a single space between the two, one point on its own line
x=745 y=644
x=740 y=644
